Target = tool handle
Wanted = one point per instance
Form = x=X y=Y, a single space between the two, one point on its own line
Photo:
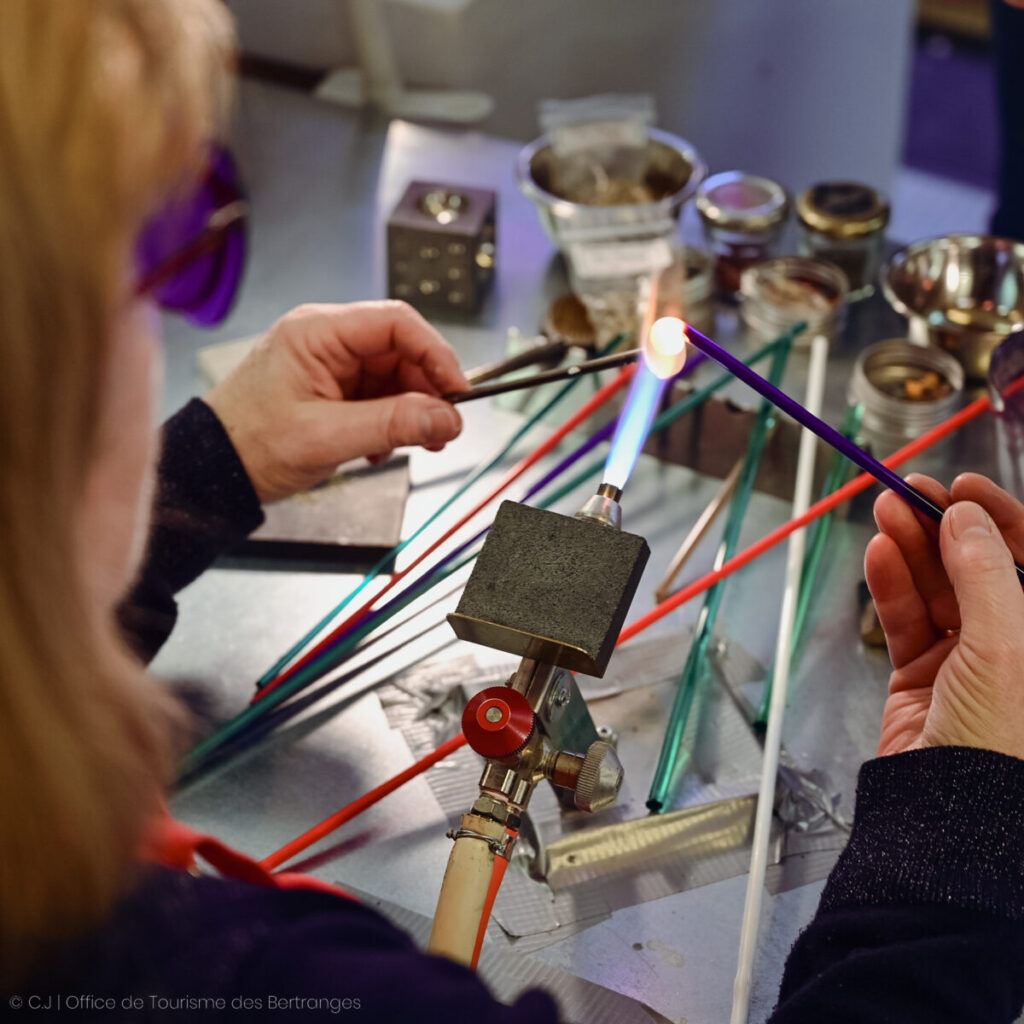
x=547 y=352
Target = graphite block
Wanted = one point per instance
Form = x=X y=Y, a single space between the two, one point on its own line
x=551 y=587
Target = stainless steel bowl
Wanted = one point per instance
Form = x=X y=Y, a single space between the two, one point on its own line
x=963 y=293
x=671 y=173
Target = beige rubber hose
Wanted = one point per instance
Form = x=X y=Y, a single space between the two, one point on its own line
x=463 y=898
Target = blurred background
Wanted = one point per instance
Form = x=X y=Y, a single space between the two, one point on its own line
x=892 y=92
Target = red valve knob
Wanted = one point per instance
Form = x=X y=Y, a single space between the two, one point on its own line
x=498 y=721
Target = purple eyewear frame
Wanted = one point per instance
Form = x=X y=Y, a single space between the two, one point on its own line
x=190 y=256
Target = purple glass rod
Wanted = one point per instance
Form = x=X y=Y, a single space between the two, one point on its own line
x=817 y=426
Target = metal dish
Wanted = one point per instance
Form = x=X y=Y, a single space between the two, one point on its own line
x=671 y=173
x=963 y=293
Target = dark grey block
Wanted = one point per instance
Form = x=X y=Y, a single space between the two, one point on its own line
x=551 y=587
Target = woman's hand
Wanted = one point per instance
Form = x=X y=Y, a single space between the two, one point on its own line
x=329 y=383
x=953 y=615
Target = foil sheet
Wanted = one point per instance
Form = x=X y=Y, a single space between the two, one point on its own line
x=573 y=870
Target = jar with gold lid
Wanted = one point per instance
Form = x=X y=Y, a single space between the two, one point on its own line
x=744 y=216
x=844 y=222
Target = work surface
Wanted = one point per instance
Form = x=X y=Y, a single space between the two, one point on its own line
x=322 y=184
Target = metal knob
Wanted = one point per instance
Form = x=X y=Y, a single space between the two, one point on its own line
x=498 y=722
x=600 y=777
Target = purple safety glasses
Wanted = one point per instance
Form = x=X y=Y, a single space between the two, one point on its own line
x=191 y=255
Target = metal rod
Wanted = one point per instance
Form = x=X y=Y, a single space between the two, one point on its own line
x=818 y=426
x=545 y=377
x=546 y=352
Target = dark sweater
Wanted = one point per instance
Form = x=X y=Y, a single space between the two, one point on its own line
x=922 y=919
x=1007 y=41
x=209 y=949
x=204 y=505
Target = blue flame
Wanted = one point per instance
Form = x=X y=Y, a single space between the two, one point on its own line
x=634 y=425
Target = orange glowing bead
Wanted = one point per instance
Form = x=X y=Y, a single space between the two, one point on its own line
x=665 y=347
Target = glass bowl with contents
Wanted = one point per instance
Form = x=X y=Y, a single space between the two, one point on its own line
x=779 y=293
x=743 y=217
x=905 y=390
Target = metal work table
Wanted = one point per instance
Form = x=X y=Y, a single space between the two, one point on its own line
x=322 y=183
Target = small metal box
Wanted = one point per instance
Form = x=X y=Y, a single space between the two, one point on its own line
x=441 y=246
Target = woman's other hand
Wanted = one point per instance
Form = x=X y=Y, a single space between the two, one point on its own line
x=953 y=614
x=329 y=383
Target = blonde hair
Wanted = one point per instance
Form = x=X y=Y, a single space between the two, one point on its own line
x=104 y=109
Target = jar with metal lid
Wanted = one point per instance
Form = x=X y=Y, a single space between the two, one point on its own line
x=744 y=217
x=905 y=390
x=844 y=222
x=780 y=293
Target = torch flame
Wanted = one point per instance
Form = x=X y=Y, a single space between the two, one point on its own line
x=665 y=346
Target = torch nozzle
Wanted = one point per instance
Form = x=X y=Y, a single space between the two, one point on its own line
x=604 y=506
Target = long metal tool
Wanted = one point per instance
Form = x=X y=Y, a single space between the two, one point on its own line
x=570 y=372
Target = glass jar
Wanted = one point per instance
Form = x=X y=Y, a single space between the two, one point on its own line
x=905 y=390
x=844 y=222
x=780 y=293
x=744 y=217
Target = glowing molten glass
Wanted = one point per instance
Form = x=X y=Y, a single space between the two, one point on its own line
x=665 y=348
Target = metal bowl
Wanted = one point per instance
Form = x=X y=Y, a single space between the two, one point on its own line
x=963 y=293
x=671 y=173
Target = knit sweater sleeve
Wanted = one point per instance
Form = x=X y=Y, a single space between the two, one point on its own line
x=204 y=505
x=922 y=919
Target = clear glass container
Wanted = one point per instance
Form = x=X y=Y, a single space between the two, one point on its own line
x=844 y=222
x=905 y=390
x=777 y=294
x=743 y=217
